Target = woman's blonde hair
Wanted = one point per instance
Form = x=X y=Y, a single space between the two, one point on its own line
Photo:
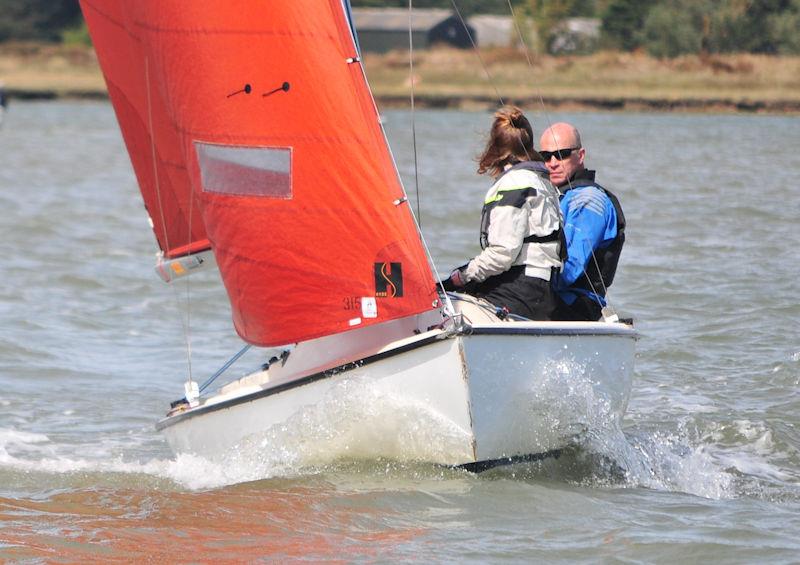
x=510 y=142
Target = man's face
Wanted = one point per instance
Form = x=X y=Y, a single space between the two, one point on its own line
x=561 y=170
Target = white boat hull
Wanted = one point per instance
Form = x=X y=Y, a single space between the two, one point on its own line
x=503 y=391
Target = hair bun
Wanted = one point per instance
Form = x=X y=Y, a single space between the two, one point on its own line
x=510 y=141
x=512 y=116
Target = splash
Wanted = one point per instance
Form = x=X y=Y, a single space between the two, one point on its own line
x=356 y=420
x=352 y=423
x=602 y=454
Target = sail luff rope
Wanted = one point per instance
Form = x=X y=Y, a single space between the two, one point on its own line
x=153 y=152
x=184 y=323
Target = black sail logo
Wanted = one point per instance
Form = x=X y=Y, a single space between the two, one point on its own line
x=389 y=280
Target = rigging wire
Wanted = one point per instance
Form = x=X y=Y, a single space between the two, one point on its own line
x=448 y=304
x=153 y=151
x=413 y=115
x=478 y=53
x=550 y=125
x=544 y=111
x=494 y=85
x=188 y=290
x=185 y=323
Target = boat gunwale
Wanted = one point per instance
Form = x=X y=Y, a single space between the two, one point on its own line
x=545 y=329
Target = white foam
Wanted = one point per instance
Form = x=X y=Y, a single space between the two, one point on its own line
x=32 y=452
x=312 y=438
x=658 y=460
x=14 y=439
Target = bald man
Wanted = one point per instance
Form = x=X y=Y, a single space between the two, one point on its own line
x=594 y=226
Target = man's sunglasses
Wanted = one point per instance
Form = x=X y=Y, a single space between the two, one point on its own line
x=559 y=154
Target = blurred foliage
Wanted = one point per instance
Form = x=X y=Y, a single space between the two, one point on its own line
x=41 y=20
x=678 y=27
x=664 y=28
x=622 y=23
x=77 y=35
x=670 y=32
x=785 y=29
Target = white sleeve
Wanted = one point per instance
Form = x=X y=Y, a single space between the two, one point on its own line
x=508 y=226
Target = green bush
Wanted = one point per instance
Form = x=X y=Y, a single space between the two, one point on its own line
x=672 y=29
x=40 y=20
x=622 y=23
x=784 y=29
x=77 y=35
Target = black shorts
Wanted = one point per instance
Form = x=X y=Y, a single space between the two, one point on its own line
x=584 y=309
x=530 y=297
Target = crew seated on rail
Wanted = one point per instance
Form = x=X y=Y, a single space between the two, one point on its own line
x=520 y=233
x=594 y=226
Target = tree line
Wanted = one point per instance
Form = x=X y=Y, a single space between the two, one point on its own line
x=664 y=28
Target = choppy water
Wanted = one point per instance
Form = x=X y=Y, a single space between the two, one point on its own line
x=93 y=346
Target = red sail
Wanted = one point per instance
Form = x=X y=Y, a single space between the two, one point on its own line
x=258 y=113
x=154 y=144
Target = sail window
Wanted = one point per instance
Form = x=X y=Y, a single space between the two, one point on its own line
x=245 y=171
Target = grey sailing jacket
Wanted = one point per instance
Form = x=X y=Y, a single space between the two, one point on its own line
x=520 y=225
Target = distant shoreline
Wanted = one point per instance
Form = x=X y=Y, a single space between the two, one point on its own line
x=451 y=79
x=479 y=102
x=632 y=104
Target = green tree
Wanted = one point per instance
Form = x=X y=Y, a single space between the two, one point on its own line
x=675 y=27
x=623 y=21
x=783 y=28
x=37 y=19
x=743 y=25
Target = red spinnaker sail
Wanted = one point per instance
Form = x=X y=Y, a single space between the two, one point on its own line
x=257 y=115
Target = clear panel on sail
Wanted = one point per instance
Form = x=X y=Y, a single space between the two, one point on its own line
x=245 y=171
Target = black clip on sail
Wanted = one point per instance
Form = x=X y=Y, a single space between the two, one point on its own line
x=284 y=87
x=247 y=88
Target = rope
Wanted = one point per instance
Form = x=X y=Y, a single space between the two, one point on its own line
x=549 y=127
x=413 y=115
x=449 y=310
x=184 y=323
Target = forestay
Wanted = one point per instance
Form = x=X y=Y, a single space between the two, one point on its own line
x=252 y=130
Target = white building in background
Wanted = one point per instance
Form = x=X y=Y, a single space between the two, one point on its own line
x=576 y=35
x=383 y=29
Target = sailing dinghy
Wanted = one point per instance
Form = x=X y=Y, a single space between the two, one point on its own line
x=257 y=146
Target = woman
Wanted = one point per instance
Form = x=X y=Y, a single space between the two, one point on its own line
x=520 y=227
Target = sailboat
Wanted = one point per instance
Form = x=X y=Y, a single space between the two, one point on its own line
x=258 y=148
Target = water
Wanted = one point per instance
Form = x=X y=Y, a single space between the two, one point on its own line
x=93 y=346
